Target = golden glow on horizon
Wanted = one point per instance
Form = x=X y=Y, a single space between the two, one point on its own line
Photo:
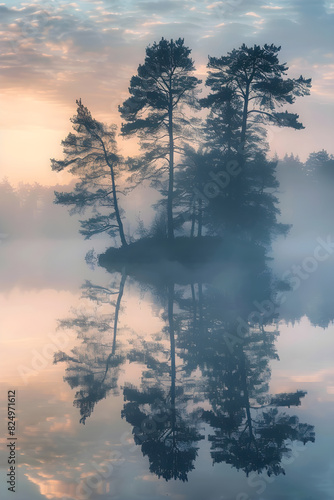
x=31 y=131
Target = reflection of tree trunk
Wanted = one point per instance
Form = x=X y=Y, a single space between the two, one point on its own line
x=200 y=218
x=193 y=296
x=244 y=386
x=172 y=356
x=118 y=306
x=200 y=308
x=202 y=336
x=193 y=220
x=117 y=309
x=198 y=317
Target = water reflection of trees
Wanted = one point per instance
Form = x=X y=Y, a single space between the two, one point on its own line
x=94 y=366
x=160 y=410
x=209 y=366
x=249 y=431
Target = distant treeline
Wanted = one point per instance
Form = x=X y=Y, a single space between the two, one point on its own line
x=305 y=196
x=28 y=211
x=306 y=193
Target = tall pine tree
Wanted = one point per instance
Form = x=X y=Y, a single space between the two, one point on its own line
x=255 y=76
x=164 y=84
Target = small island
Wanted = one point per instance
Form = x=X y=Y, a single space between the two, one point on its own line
x=216 y=181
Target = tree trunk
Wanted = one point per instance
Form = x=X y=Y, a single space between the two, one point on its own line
x=114 y=194
x=241 y=154
x=244 y=116
x=118 y=216
x=243 y=136
x=170 y=225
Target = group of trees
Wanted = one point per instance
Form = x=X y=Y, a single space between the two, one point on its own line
x=212 y=172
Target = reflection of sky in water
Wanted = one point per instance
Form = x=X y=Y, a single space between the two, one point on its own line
x=60 y=458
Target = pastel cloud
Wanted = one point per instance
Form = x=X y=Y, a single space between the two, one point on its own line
x=62 y=44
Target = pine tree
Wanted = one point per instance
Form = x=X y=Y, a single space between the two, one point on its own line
x=162 y=86
x=248 y=86
x=257 y=80
x=91 y=154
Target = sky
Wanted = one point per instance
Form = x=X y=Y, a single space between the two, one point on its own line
x=54 y=52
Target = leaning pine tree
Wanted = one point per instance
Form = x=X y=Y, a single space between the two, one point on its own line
x=91 y=155
x=159 y=91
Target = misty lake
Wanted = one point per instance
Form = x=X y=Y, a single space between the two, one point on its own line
x=167 y=250
x=214 y=384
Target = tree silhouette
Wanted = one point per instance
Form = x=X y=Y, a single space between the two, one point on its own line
x=249 y=431
x=254 y=440
x=247 y=89
x=91 y=154
x=256 y=80
x=162 y=86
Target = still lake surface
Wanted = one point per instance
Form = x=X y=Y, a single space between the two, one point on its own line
x=206 y=385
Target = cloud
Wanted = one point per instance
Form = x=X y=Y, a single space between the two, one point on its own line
x=4 y=11
x=63 y=47
x=271 y=7
x=252 y=14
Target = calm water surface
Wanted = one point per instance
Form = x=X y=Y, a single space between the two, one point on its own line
x=203 y=384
